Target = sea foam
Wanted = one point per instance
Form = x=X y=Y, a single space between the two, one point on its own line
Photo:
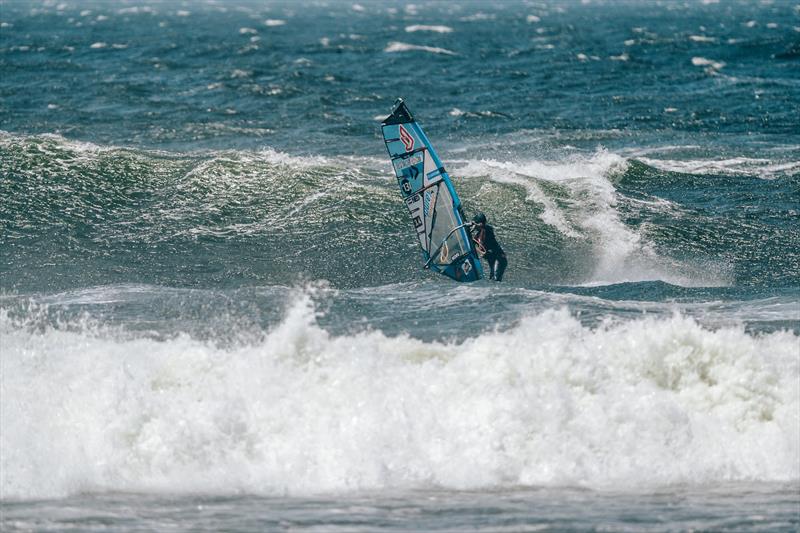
x=421 y=27
x=588 y=211
x=642 y=403
x=735 y=166
x=396 y=46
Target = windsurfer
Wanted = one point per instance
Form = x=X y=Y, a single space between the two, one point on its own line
x=487 y=247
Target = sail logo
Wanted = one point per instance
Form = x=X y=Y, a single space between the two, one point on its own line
x=400 y=164
x=408 y=140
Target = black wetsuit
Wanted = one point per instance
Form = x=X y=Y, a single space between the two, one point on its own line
x=490 y=250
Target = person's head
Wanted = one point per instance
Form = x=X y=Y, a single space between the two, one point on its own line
x=480 y=218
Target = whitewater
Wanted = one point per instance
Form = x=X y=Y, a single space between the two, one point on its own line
x=301 y=411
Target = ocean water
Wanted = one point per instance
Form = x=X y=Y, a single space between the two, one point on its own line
x=213 y=314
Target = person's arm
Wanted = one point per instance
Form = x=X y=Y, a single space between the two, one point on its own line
x=479 y=238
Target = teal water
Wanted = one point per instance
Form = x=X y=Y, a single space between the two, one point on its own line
x=209 y=285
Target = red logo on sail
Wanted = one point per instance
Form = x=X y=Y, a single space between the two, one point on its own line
x=408 y=140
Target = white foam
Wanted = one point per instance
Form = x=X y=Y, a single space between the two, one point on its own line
x=704 y=62
x=477 y=17
x=422 y=27
x=135 y=10
x=549 y=402
x=735 y=166
x=396 y=46
x=56 y=145
x=274 y=22
x=589 y=213
x=513 y=174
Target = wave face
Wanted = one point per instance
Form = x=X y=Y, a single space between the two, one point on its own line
x=209 y=283
x=107 y=215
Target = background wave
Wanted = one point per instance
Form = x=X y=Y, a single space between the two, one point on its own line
x=230 y=218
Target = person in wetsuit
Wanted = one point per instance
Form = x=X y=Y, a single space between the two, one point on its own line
x=487 y=246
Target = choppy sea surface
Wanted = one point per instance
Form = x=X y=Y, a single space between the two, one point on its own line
x=213 y=314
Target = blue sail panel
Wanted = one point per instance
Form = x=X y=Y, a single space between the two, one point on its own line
x=430 y=198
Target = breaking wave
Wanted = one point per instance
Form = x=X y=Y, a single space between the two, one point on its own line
x=549 y=402
x=133 y=216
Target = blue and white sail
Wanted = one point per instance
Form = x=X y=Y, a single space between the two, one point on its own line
x=431 y=200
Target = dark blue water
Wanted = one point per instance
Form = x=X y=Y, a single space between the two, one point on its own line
x=209 y=285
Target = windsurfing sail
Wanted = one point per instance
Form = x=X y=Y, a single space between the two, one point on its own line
x=431 y=200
